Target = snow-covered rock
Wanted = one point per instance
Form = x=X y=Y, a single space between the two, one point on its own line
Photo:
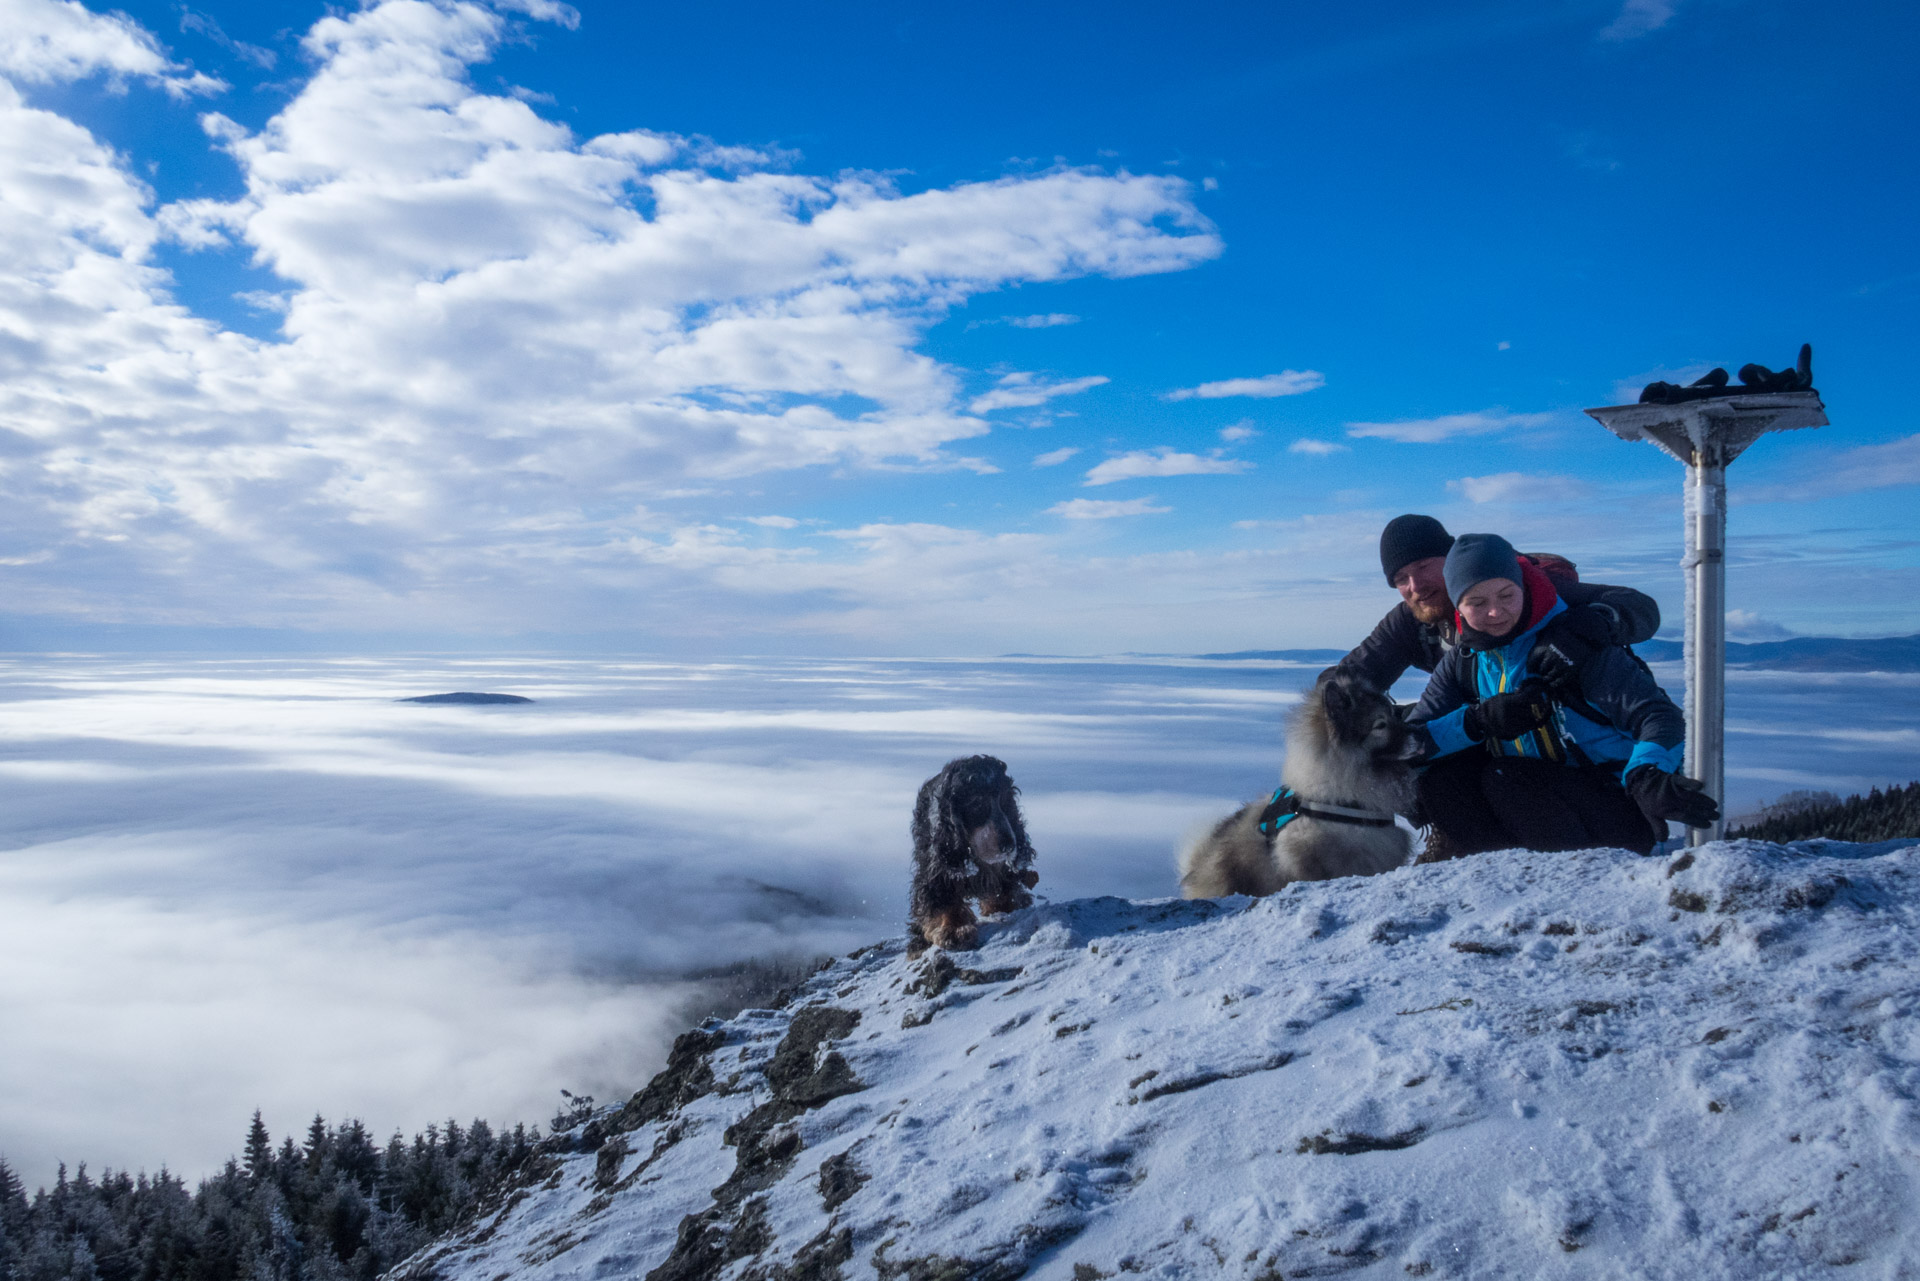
x=1698 y=1065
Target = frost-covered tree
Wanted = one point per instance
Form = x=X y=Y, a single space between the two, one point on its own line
x=335 y=1208
x=1802 y=816
x=259 y=1149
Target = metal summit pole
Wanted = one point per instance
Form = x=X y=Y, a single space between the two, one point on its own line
x=1705 y=565
x=1707 y=426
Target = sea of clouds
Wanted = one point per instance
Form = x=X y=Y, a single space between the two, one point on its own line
x=238 y=883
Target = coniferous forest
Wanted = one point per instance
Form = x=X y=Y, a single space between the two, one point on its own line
x=1877 y=816
x=338 y=1207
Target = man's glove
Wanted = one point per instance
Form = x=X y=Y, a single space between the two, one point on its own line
x=1570 y=640
x=1510 y=715
x=1662 y=796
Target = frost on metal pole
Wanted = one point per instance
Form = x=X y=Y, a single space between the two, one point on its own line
x=1706 y=426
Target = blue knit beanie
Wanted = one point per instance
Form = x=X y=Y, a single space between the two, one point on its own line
x=1477 y=557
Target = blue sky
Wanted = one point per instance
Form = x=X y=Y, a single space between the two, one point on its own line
x=1067 y=328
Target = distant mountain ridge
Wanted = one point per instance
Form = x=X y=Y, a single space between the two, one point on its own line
x=1807 y=653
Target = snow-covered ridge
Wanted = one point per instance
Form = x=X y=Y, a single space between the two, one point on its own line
x=1701 y=1065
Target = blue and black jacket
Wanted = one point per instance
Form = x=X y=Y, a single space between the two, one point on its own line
x=1623 y=717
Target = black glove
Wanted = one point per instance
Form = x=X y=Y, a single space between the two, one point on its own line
x=1568 y=643
x=1510 y=715
x=1662 y=796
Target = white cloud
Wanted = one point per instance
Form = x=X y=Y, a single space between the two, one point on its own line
x=1242 y=430
x=1516 y=487
x=1163 y=461
x=923 y=588
x=1428 y=431
x=263 y=300
x=1291 y=382
x=1054 y=457
x=1626 y=391
x=204 y=24
x=52 y=41
x=500 y=340
x=1098 y=509
x=1020 y=390
x=1889 y=465
x=553 y=11
x=1309 y=445
x=1637 y=18
x=772 y=522
x=1745 y=625
x=1047 y=320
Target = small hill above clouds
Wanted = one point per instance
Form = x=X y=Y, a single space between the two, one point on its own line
x=467 y=697
x=1518 y=1065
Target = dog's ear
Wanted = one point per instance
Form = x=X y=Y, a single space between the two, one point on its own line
x=1345 y=705
x=1337 y=699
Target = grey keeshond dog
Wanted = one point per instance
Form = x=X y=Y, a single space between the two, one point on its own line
x=1347 y=773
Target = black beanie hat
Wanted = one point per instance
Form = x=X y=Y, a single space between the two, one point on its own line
x=1477 y=557
x=1410 y=538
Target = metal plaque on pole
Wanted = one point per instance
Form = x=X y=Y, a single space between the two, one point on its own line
x=1707 y=426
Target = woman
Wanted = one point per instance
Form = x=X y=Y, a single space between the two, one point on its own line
x=1565 y=768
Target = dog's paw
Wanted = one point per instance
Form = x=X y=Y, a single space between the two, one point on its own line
x=1029 y=878
x=1011 y=900
x=962 y=938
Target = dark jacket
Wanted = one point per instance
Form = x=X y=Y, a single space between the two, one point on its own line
x=1402 y=641
x=1625 y=719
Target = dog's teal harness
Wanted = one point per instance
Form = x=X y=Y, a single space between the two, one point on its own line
x=1286 y=806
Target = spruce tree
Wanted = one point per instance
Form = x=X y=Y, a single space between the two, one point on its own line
x=259 y=1149
x=13 y=1221
x=318 y=1144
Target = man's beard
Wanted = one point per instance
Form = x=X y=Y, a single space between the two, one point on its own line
x=1435 y=610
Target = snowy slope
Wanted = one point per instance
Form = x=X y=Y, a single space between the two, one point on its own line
x=1699 y=1065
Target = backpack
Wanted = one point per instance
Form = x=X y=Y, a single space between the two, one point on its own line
x=1558 y=569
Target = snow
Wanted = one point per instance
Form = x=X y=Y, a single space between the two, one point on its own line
x=1697 y=1065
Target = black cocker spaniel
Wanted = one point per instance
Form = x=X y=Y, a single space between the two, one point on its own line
x=968 y=843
